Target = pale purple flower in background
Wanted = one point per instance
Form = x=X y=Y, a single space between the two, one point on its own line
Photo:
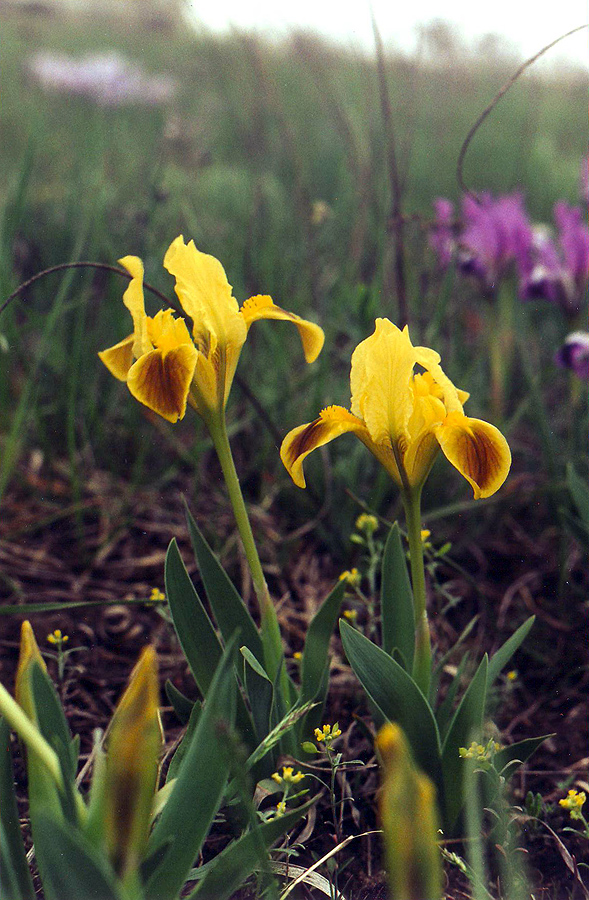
x=540 y=270
x=574 y=354
x=106 y=78
x=558 y=270
x=442 y=236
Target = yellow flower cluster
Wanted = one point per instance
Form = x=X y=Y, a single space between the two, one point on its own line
x=327 y=734
x=352 y=577
x=573 y=801
x=366 y=523
x=288 y=776
x=56 y=637
x=157 y=595
x=480 y=752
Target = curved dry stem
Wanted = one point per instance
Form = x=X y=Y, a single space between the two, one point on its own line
x=495 y=101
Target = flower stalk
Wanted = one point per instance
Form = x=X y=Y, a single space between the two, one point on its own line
x=423 y=651
x=269 y=627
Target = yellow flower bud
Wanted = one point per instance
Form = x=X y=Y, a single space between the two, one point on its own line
x=29 y=654
x=133 y=748
x=408 y=816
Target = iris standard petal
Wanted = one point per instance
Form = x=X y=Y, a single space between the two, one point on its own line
x=380 y=380
x=263 y=307
x=478 y=450
x=205 y=295
x=119 y=358
x=301 y=441
x=161 y=380
x=135 y=303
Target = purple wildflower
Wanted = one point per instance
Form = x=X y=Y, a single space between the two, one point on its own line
x=574 y=354
x=496 y=234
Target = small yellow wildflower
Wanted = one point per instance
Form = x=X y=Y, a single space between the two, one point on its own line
x=281 y=808
x=512 y=675
x=56 y=637
x=157 y=595
x=352 y=577
x=297 y=655
x=288 y=776
x=351 y=615
x=480 y=752
x=327 y=734
x=573 y=801
x=367 y=523
x=425 y=533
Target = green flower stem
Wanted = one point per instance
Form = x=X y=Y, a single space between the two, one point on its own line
x=422 y=662
x=270 y=630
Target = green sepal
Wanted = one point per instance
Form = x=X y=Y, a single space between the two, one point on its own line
x=228 y=608
x=228 y=871
x=15 y=877
x=198 y=791
x=466 y=721
x=181 y=704
x=397 y=696
x=71 y=869
x=396 y=600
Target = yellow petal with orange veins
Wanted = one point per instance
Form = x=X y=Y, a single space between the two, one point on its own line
x=301 y=441
x=135 y=303
x=161 y=381
x=478 y=450
x=119 y=359
x=263 y=307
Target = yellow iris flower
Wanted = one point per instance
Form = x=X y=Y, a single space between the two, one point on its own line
x=164 y=365
x=405 y=418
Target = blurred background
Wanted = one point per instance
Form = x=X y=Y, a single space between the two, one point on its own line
x=259 y=132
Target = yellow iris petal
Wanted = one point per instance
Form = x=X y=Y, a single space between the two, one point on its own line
x=161 y=380
x=205 y=295
x=263 y=307
x=119 y=358
x=301 y=441
x=478 y=450
x=380 y=379
x=135 y=303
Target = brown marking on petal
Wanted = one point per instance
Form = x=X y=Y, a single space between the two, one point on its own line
x=483 y=458
x=305 y=441
x=162 y=381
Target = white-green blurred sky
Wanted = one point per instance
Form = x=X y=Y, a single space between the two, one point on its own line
x=526 y=25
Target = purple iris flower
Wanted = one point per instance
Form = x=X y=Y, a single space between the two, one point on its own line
x=442 y=237
x=496 y=234
x=574 y=354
